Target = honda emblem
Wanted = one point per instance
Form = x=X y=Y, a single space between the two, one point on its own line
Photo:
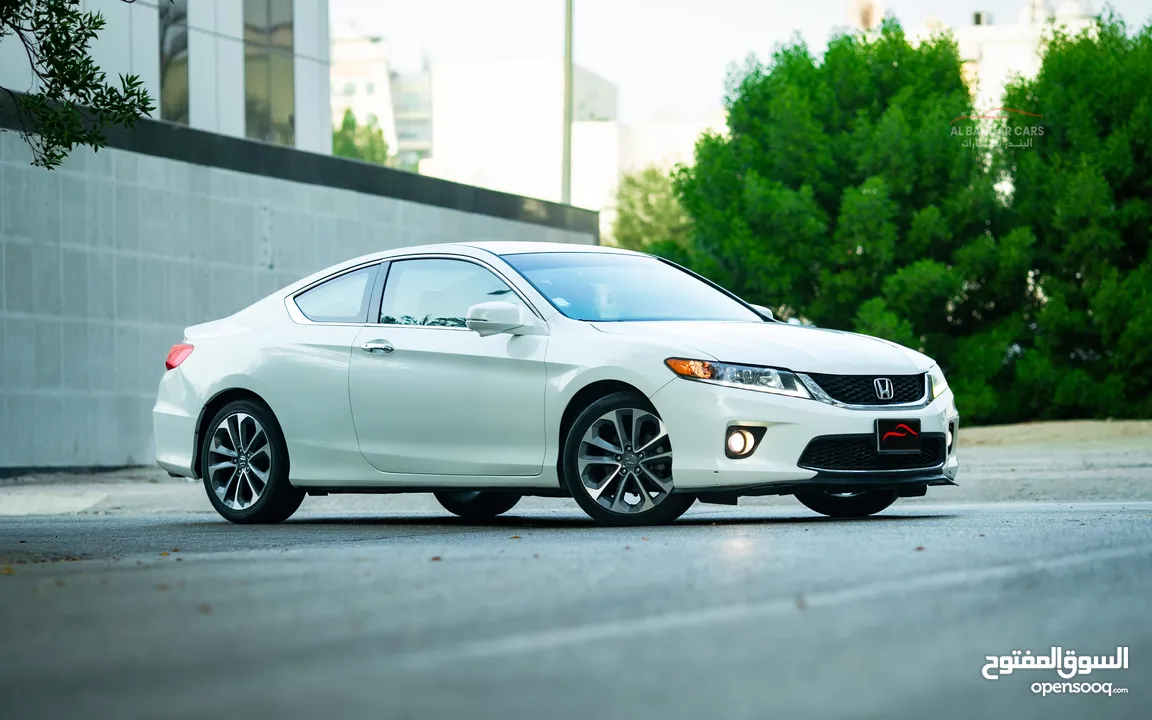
x=884 y=388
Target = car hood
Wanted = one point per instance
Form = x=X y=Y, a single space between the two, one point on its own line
x=775 y=344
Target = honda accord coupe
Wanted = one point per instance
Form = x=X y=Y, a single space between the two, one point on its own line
x=484 y=372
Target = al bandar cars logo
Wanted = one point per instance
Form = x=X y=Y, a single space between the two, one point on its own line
x=1018 y=128
x=899 y=431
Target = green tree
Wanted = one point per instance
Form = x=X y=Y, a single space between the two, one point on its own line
x=839 y=194
x=649 y=217
x=359 y=142
x=71 y=103
x=1083 y=191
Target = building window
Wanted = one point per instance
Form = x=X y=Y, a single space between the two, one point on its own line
x=269 y=71
x=369 y=88
x=174 y=61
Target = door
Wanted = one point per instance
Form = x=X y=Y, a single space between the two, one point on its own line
x=431 y=397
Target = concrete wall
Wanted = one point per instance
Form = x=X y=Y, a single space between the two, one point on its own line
x=105 y=261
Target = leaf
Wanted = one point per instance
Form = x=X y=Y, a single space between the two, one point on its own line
x=164 y=554
x=514 y=537
x=435 y=558
x=6 y=570
x=919 y=547
x=73 y=103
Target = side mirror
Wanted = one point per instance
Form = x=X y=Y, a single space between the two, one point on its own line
x=764 y=311
x=499 y=316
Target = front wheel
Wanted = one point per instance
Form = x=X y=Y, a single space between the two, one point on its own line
x=477 y=505
x=848 y=505
x=617 y=463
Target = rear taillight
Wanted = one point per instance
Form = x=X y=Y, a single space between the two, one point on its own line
x=177 y=355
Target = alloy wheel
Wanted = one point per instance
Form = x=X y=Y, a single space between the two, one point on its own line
x=239 y=461
x=625 y=461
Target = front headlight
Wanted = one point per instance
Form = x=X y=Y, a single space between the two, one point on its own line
x=936 y=381
x=747 y=377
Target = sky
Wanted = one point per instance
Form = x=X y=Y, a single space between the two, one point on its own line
x=667 y=58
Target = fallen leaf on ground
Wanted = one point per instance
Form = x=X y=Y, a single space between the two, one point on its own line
x=164 y=554
x=627 y=547
x=435 y=558
x=919 y=547
x=514 y=537
x=205 y=609
x=175 y=549
x=6 y=570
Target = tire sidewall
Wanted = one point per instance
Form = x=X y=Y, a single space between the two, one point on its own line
x=484 y=505
x=668 y=510
x=859 y=506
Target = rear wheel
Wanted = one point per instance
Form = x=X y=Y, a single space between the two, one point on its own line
x=477 y=504
x=244 y=463
x=848 y=505
x=618 y=463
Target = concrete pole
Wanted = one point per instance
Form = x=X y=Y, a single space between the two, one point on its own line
x=566 y=183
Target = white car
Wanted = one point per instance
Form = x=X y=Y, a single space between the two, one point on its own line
x=485 y=372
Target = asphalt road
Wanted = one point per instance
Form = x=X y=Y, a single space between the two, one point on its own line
x=750 y=612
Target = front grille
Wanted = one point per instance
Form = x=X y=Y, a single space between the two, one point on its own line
x=858 y=452
x=861 y=389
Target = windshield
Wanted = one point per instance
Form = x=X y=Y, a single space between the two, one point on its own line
x=606 y=287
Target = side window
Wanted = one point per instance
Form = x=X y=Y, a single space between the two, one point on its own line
x=341 y=299
x=438 y=292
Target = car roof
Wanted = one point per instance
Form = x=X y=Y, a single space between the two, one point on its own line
x=474 y=249
x=515 y=247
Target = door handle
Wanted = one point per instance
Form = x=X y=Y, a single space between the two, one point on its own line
x=382 y=346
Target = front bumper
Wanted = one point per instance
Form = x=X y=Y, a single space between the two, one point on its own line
x=698 y=415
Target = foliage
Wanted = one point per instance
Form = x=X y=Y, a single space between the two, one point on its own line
x=1085 y=192
x=649 y=217
x=843 y=193
x=359 y=142
x=71 y=103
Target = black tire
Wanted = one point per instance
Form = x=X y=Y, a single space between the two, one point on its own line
x=669 y=505
x=849 y=506
x=277 y=499
x=477 y=505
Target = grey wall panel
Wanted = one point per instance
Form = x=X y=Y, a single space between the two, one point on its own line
x=105 y=261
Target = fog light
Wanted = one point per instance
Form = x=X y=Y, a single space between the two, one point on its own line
x=739 y=441
x=742 y=441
